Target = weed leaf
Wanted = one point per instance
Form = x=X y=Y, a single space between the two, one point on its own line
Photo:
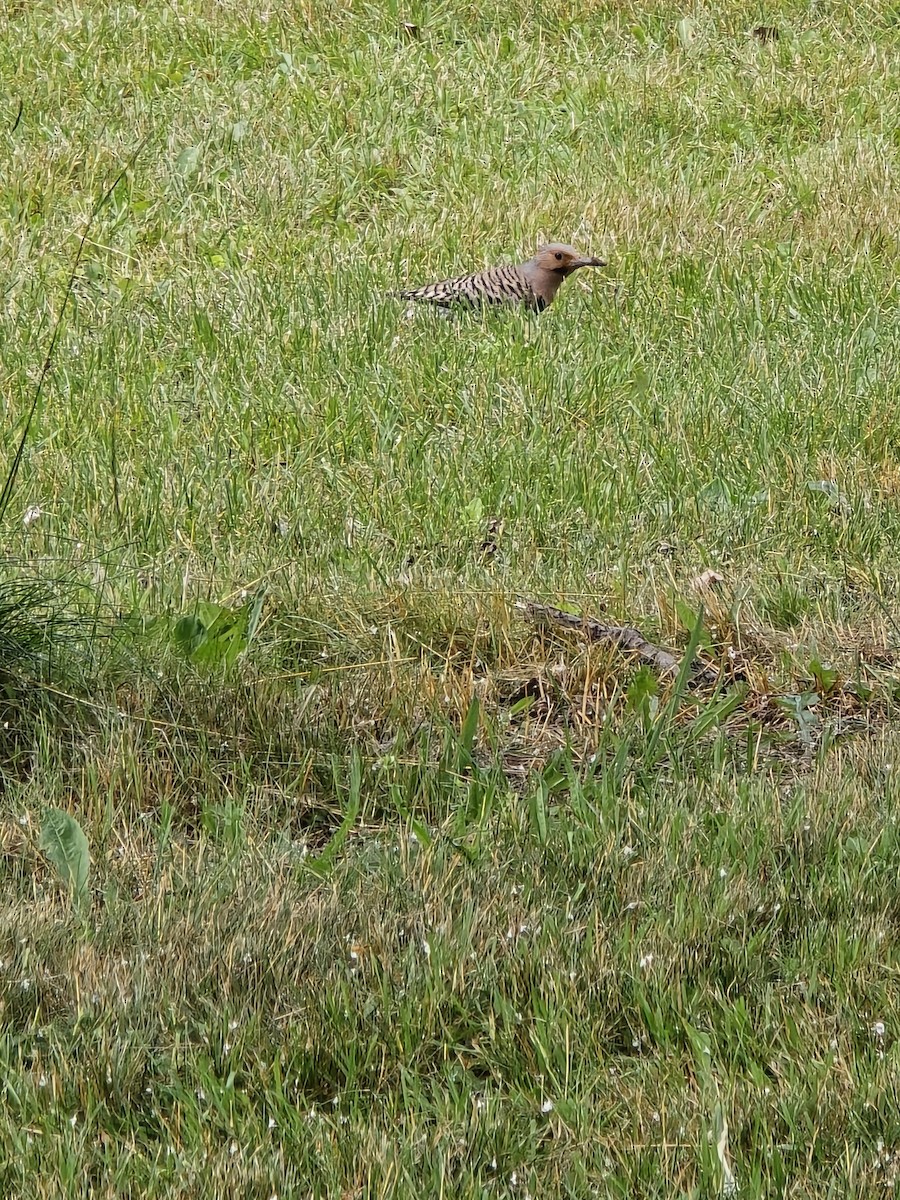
x=214 y=634
x=188 y=160
x=684 y=30
x=65 y=845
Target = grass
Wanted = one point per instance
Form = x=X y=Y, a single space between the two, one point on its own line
x=417 y=898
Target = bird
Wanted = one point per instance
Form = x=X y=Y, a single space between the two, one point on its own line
x=532 y=284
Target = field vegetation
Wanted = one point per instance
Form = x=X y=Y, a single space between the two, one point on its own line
x=398 y=884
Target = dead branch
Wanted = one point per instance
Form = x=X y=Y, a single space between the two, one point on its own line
x=629 y=640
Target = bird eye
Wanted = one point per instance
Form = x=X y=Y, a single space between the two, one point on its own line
x=558 y=256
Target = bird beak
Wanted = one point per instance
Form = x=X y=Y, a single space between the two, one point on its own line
x=591 y=262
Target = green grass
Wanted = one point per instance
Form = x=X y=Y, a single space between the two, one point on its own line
x=416 y=899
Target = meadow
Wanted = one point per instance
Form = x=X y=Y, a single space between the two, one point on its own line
x=396 y=887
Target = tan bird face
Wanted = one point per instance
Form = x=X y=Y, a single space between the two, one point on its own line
x=563 y=259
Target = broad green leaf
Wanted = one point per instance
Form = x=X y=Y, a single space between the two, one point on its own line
x=65 y=845
x=214 y=634
x=800 y=707
x=685 y=29
x=642 y=687
x=826 y=677
x=188 y=160
x=189 y=634
x=473 y=513
x=688 y=618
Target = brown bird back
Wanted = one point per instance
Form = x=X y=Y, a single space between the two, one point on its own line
x=532 y=284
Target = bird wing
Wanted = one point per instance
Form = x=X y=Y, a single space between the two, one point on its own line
x=445 y=292
x=502 y=285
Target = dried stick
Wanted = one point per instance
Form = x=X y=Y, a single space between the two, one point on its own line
x=627 y=639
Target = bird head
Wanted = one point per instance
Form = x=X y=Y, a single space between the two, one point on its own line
x=562 y=259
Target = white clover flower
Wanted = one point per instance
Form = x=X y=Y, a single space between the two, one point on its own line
x=547 y=1106
x=878 y=1029
x=32 y=514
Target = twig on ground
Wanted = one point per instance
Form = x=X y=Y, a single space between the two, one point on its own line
x=625 y=637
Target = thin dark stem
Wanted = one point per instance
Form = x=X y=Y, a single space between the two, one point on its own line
x=12 y=474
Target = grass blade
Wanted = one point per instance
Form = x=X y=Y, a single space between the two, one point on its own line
x=324 y=863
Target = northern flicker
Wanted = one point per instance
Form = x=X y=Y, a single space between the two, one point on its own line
x=533 y=283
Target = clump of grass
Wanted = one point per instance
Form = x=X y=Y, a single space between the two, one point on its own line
x=30 y=626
